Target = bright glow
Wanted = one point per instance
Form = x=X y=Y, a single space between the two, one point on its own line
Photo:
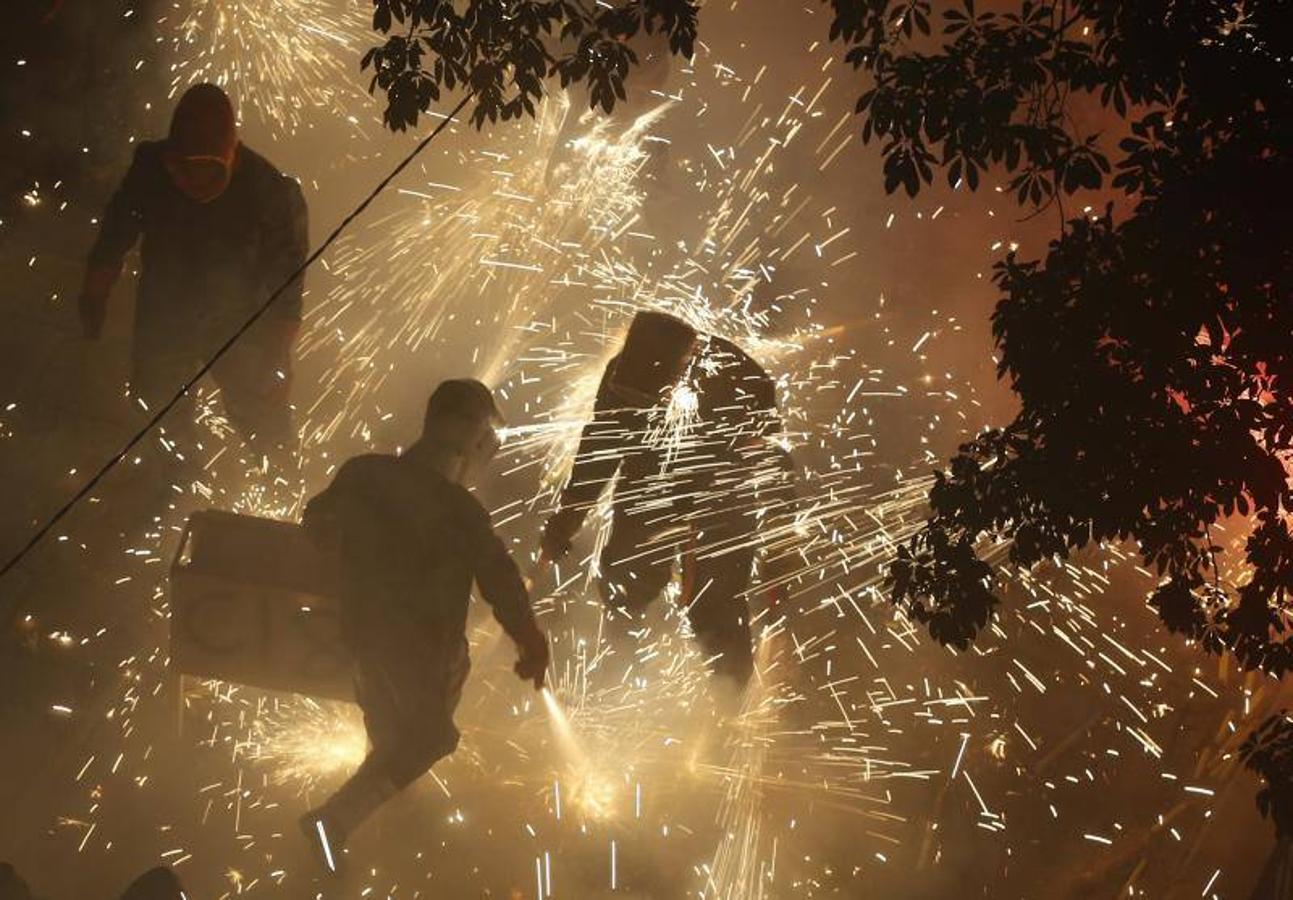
x=309 y=742
x=560 y=723
x=592 y=790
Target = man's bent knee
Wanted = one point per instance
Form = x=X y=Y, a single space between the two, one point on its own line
x=729 y=650
x=632 y=590
x=414 y=756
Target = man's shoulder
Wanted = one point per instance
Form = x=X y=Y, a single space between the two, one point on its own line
x=472 y=503
x=367 y=479
x=411 y=479
x=255 y=164
x=264 y=175
x=148 y=161
x=724 y=361
x=365 y=469
x=366 y=463
x=402 y=469
x=150 y=151
x=728 y=353
x=453 y=493
x=461 y=503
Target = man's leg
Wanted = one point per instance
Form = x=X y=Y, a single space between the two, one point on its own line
x=720 y=616
x=635 y=566
x=158 y=370
x=329 y=827
x=255 y=399
x=408 y=706
x=160 y=365
x=162 y=359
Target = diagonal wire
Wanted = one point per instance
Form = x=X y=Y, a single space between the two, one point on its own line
x=98 y=476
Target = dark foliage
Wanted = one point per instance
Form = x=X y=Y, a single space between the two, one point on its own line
x=1268 y=752
x=502 y=50
x=1151 y=355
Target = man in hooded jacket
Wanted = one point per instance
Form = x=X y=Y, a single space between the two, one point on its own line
x=684 y=428
x=219 y=229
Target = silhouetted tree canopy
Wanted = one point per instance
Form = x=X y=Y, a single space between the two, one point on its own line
x=1151 y=352
x=1150 y=355
x=1268 y=751
x=502 y=50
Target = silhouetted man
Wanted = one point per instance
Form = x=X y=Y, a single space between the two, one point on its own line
x=411 y=540
x=682 y=423
x=220 y=229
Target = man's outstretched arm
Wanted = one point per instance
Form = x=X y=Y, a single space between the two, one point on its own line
x=504 y=590
x=119 y=230
x=601 y=447
x=286 y=246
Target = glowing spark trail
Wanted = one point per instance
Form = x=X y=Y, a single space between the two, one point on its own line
x=289 y=61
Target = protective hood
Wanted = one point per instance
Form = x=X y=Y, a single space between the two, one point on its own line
x=656 y=353
x=203 y=143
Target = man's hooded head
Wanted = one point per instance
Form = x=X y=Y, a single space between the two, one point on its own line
x=656 y=353
x=203 y=143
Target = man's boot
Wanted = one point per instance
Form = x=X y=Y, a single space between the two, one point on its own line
x=329 y=827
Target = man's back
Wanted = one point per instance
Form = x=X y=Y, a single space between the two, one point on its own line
x=410 y=543
x=702 y=459
x=402 y=533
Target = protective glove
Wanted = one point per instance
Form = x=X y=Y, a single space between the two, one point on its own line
x=559 y=532
x=533 y=662
x=93 y=301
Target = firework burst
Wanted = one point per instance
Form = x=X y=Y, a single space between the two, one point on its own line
x=289 y=63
